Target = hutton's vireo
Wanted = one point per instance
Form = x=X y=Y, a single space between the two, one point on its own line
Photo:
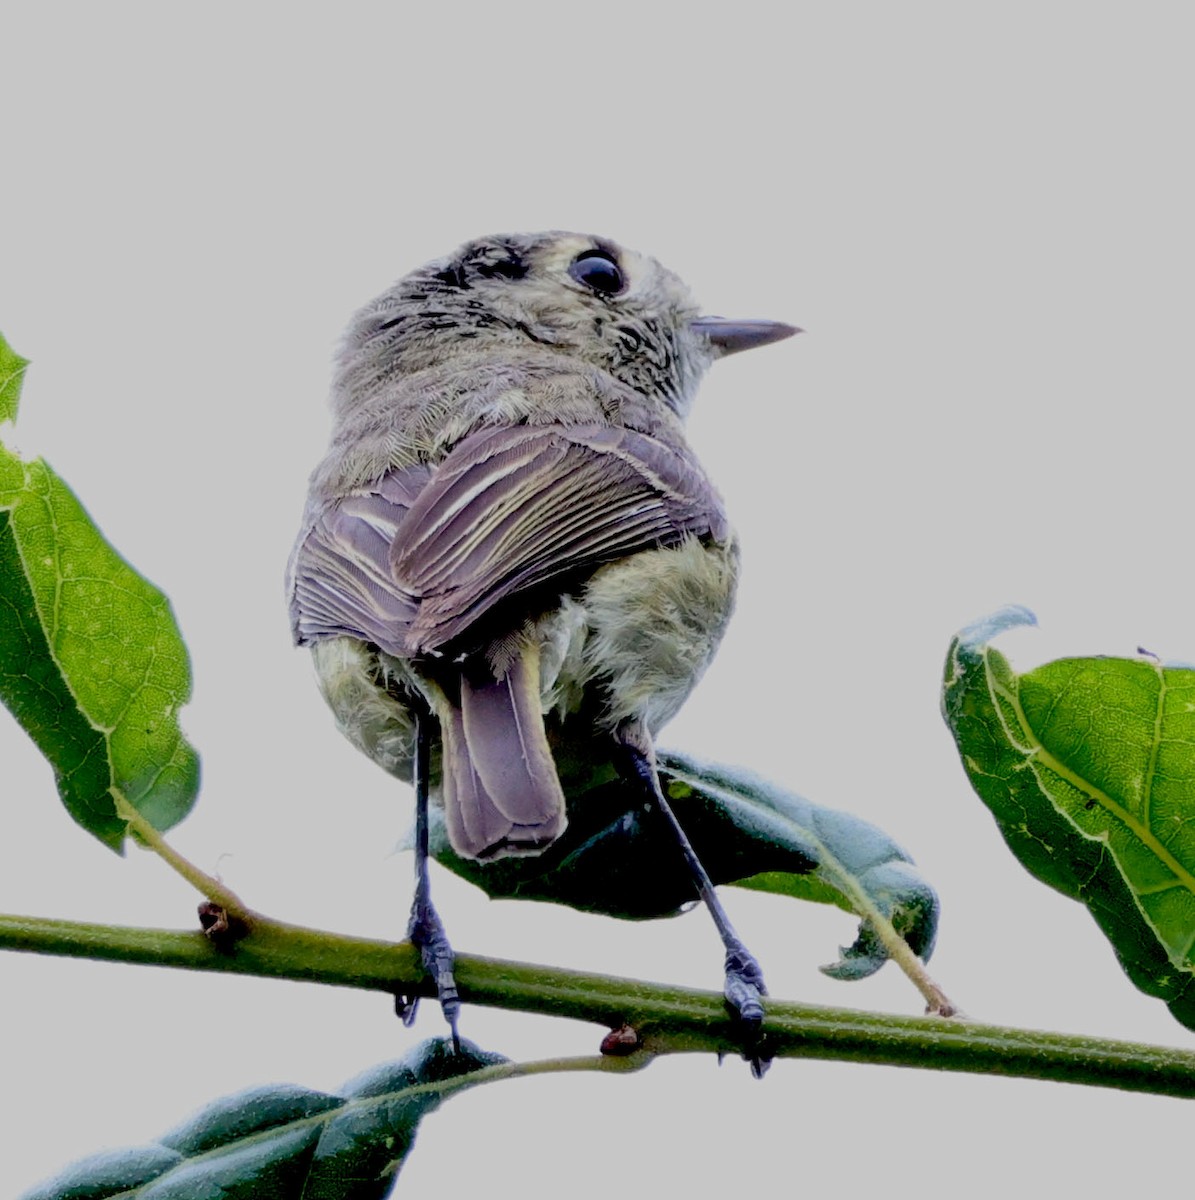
x=510 y=546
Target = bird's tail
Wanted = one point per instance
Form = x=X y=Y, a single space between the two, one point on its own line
x=501 y=791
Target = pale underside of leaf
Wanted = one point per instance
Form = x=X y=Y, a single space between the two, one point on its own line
x=615 y=858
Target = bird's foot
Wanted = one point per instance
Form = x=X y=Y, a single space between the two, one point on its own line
x=426 y=931
x=744 y=990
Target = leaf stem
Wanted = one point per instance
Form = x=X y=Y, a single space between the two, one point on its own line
x=206 y=884
x=899 y=951
x=667 y=1019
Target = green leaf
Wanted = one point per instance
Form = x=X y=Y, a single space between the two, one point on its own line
x=285 y=1142
x=616 y=859
x=1088 y=766
x=12 y=371
x=856 y=864
x=91 y=661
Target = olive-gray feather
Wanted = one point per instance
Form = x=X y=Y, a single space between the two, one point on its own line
x=510 y=527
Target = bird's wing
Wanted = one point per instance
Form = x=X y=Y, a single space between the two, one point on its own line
x=515 y=507
x=340 y=577
x=414 y=562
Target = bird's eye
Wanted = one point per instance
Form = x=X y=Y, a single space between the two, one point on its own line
x=598 y=270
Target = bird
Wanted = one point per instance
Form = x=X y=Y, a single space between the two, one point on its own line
x=510 y=554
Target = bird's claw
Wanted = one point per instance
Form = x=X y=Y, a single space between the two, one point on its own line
x=744 y=990
x=426 y=931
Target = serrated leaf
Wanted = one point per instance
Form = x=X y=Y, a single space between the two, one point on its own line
x=12 y=371
x=91 y=661
x=616 y=859
x=285 y=1142
x=1088 y=766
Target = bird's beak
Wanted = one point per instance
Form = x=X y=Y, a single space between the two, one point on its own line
x=729 y=337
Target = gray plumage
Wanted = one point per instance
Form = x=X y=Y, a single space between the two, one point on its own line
x=510 y=524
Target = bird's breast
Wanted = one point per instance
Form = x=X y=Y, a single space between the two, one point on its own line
x=640 y=633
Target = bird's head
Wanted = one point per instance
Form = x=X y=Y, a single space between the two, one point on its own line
x=567 y=293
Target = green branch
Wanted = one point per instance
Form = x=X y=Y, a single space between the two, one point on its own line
x=666 y=1019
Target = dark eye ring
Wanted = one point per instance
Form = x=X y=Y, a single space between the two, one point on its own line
x=598 y=271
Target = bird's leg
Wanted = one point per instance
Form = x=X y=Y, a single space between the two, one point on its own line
x=744 y=987
x=425 y=928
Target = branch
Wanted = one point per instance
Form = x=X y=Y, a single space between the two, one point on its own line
x=667 y=1019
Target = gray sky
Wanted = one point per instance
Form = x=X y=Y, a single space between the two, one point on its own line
x=982 y=217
